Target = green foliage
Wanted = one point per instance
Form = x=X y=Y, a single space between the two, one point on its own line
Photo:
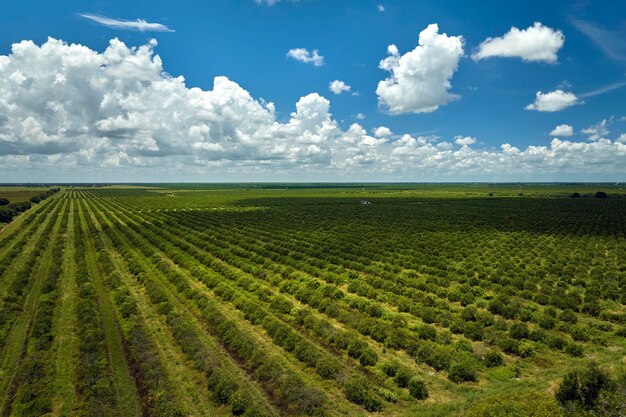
x=493 y=358
x=417 y=389
x=507 y=405
x=463 y=369
x=292 y=282
x=358 y=391
x=583 y=387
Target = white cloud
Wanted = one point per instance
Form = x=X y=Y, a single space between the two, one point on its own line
x=562 y=131
x=553 y=101
x=599 y=130
x=360 y=116
x=303 y=55
x=464 y=141
x=382 y=132
x=140 y=24
x=69 y=112
x=338 y=87
x=273 y=2
x=380 y=8
x=621 y=138
x=536 y=43
x=420 y=79
x=120 y=105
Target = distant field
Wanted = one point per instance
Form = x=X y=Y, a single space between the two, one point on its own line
x=18 y=194
x=294 y=299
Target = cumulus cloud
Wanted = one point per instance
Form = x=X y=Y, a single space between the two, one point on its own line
x=464 y=141
x=338 y=87
x=382 y=132
x=120 y=104
x=420 y=79
x=562 y=131
x=380 y=8
x=553 y=101
x=117 y=115
x=140 y=24
x=599 y=130
x=536 y=43
x=303 y=55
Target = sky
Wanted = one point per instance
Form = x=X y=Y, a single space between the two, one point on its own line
x=312 y=90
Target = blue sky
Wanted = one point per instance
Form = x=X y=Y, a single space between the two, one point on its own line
x=247 y=42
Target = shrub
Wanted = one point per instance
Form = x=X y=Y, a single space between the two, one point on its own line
x=526 y=349
x=518 y=331
x=403 y=376
x=238 y=402
x=357 y=391
x=574 y=349
x=387 y=395
x=583 y=386
x=462 y=370
x=417 y=389
x=579 y=333
x=368 y=357
x=390 y=368
x=568 y=316
x=493 y=358
x=327 y=368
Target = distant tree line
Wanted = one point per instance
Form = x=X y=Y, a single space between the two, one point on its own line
x=599 y=194
x=9 y=210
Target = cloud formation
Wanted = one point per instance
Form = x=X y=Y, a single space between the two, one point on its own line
x=338 y=87
x=420 y=79
x=303 y=55
x=464 y=141
x=140 y=24
x=562 y=131
x=382 y=132
x=535 y=43
x=599 y=130
x=553 y=101
x=117 y=114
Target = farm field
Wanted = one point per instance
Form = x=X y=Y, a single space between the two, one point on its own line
x=333 y=300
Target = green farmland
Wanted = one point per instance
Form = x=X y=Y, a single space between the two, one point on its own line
x=324 y=300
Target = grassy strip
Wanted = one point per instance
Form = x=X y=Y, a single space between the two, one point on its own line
x=202 y=352
x=34 y=375
x=21 y=258
x=66 y=340
x=186 y=384
x=13 y=238
x=250 y=351
x=16 y=340
x=156 y=392
x=95 y=387
x=123 y=381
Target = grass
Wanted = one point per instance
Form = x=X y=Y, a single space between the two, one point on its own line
x=16 y=340
x=125 y=387
x=66 y=343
